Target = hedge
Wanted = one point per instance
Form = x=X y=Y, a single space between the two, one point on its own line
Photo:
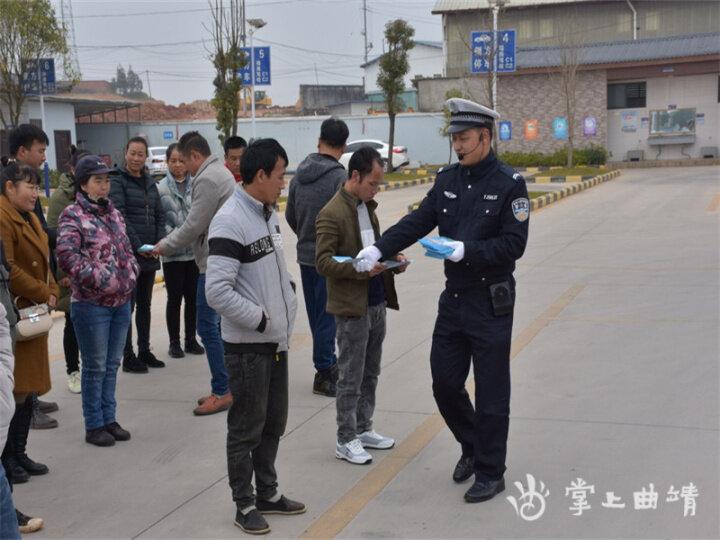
x=593 y=155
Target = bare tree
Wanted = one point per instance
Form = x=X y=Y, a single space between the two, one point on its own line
x=570 y=44
x=228 y=59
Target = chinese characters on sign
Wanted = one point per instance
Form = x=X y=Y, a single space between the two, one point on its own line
x=262 y=67
x=482 y=51
x=532 y=502
x=39 y=80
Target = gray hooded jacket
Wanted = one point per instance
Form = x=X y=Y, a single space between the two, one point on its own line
x=317 y=180
x=247 y=282
x=211 y=187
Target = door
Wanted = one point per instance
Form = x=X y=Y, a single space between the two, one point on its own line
x=62 y=150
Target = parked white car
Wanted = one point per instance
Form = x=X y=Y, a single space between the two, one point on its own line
x=156 y=162
x=399 y=153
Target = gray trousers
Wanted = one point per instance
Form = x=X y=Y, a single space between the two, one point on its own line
x=359 y=342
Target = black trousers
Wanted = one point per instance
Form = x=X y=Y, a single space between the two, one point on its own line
x=256 y=421
x=70 y=346
x=142 y=298
x=181 y=283
x=467 y=331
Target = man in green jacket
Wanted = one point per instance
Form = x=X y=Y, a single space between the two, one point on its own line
x=358 y=300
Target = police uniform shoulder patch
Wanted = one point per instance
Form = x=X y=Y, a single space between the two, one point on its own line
x=511 y=173
x=447 y=168
x=521 y=209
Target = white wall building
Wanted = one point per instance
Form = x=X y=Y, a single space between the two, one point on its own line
x=425 y=59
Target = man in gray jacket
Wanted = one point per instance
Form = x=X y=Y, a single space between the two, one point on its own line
x=318 y=179
x=212 y=185
x=249 y=286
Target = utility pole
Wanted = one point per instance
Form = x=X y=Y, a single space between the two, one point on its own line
x=366 y=49
x=147 y=76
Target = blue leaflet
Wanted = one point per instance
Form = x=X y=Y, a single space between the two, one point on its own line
x=436 y=247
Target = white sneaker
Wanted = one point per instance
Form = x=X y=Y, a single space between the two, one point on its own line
x=73 y=382
x=371 y=439
x=352 y=452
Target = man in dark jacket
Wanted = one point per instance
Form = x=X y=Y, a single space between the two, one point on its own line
x=317 y=180
x=134 y=193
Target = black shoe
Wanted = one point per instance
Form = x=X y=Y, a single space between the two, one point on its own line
x=148 y=358
x=252 y=522
x=132 y=364
x=32 y=467
x=40 y=420
x=99 y=437
x=282 y=506
x=323 y=383
x=193 y=347
x=464 y=469
x=118 y=433
x=27 y=524
x=15 y=473
x=175 y=350
x=47 y=406
x=484 y=490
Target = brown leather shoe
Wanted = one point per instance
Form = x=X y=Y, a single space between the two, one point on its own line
x=203 y=399
x=213 y=405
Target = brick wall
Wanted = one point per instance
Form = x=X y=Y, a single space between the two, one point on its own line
x=525 y=97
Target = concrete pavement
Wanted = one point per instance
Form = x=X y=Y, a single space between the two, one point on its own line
x=615 y=382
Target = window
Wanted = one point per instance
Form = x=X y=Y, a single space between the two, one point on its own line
x=524 y=30
x=624 y=23
x=546 y=28
x=626 y=95
x=652 y=21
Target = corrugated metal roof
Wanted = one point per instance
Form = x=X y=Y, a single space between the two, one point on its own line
x=443 y=6
x=624 y=51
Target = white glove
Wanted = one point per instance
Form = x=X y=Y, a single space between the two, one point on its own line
x=371 y=254
x=363 y=265
x=458 y=251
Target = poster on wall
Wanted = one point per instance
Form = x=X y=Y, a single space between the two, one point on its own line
x=700 y=119
x=629 y=121
x=532 y=129
x=645 y=122
x=560 y=127
x=505 y=130
x=589 y=126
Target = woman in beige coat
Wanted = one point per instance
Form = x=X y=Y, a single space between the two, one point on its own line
x=31 y=282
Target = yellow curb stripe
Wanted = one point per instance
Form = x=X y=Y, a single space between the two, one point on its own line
x=334 y=520
x=714 y=204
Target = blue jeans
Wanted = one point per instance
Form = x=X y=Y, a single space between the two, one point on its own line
x=322 y=324
x=208 y=328
x=101 y=333
x=8 y=518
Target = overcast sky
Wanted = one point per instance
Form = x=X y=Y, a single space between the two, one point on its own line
x=303 y=35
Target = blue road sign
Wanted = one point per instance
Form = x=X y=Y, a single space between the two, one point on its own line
x=482 y=48
x=168 y=135
x=262 y=67
x=36 y=80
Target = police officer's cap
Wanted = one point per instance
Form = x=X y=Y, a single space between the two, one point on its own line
x=465 y=114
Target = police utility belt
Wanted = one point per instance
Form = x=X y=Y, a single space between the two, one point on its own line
x=502 y=295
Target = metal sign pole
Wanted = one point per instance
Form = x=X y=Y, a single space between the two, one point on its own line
x=42 y=99
x=252 y=82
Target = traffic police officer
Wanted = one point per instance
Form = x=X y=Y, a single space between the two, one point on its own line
x=482 y=205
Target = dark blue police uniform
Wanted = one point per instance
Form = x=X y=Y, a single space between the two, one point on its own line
x=486 y=207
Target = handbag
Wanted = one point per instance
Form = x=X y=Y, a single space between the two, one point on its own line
x=34 y=321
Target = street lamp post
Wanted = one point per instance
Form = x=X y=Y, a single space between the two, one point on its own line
x=255 y=24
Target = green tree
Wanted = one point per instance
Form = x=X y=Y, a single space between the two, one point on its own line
x=28 y=30
x=228 y=59
x=393 y=68
x=119 y=83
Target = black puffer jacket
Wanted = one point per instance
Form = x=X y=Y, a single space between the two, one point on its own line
x=139 y=202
